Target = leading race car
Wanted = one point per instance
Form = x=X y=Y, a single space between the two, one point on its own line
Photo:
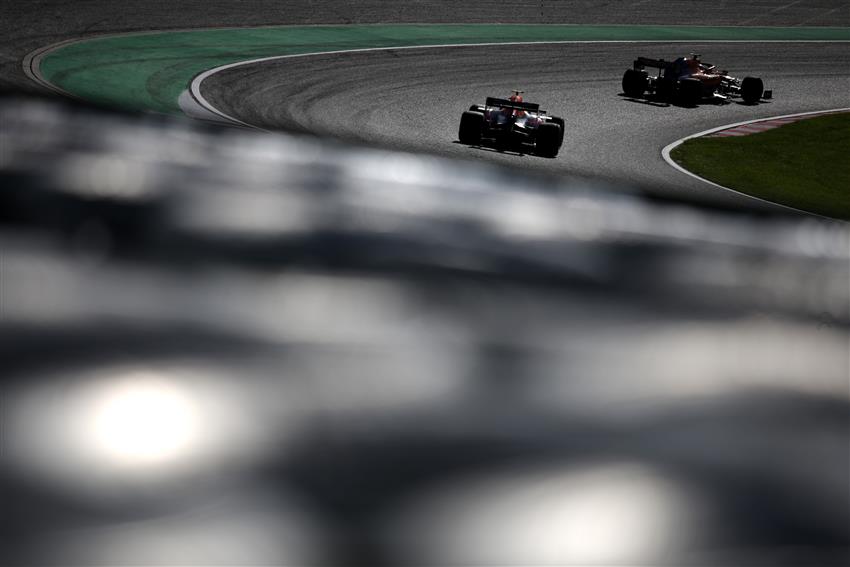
x=688 y=81
x=512 y=124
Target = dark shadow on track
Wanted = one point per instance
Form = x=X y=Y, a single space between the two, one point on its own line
x=497 y=150
x=644 y=101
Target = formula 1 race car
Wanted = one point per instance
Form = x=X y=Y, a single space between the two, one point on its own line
x=512 y=124
x=688 y=81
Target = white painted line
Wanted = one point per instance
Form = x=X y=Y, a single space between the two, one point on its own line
x=190 y=107
x=32 y=66
x=665 y=153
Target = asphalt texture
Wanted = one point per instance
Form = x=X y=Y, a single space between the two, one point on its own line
x=413 y=99
x=25 y=26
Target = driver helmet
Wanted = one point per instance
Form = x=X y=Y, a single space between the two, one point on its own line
x=693 y=63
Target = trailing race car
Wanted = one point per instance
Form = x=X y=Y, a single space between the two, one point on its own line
x=513 y=124
x=688 y=81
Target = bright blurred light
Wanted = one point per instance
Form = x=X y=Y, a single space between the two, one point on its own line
x=118 y=434
x=142 y=421
x=606 y=514
x=247 y=213
x=106 y=176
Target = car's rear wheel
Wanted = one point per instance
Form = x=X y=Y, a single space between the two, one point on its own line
x=665 y=89
x=634 y=83
x=560 y=122
x=751 y=89
x=548 y=139
x=689 y=92
x=471 y=126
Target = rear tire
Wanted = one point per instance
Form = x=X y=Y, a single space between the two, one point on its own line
x=665 y=89
x=634 y=83
x=548 y=140
x=689 y=92
x=560 y=122
x=751 y=89
x=471 y=126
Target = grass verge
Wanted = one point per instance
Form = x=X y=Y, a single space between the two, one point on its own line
x=804 y=165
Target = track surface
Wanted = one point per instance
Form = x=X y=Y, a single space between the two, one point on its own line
x=412 y=99
x=25 y=26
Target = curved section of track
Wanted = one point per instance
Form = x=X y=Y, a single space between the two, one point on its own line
x=26 y=26
x=412 y=99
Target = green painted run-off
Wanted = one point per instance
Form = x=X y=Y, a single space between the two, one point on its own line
x=149 y=71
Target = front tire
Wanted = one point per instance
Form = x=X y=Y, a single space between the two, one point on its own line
x=751 y=89
x=634 y=83
x=548 y=140
x=471 y=127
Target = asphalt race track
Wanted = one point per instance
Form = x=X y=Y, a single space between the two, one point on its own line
x=412 y=99
x=25 y=26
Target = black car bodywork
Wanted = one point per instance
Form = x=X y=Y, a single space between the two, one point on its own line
x=507 y=124
x=670 y=84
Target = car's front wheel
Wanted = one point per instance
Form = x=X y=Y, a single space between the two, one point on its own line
x=751 y=89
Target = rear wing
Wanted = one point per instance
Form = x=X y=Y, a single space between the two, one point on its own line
x=505 y=103
x=642 y=62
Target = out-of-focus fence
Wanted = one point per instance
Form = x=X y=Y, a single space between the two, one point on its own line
x=224 y=347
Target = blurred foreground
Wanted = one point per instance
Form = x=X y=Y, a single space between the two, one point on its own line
x=227 y=348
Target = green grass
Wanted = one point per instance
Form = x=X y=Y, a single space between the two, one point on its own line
x=805 y=165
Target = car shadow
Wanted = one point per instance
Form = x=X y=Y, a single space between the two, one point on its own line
x=662 y=103
x=496 y=150
x=646 y=101
x=759 y=103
